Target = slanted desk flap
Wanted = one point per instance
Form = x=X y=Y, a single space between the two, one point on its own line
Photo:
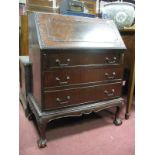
x=59 y=31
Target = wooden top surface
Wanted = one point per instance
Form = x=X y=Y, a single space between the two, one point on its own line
x=59 y=31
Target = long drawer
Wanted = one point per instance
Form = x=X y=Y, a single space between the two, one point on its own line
x=62 y=98
x=57 y=60
x=80 y=76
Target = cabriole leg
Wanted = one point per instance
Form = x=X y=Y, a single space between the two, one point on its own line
x=42 y=131
x=117 y=121
x=30 y=116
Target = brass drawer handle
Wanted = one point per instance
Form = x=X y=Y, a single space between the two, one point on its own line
x=110 y=77
x=62 y=65
x=110 y=94
x=63 y=82
x=65 y=101
x=109 y=61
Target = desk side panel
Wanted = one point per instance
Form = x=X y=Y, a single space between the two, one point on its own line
x=35 y=59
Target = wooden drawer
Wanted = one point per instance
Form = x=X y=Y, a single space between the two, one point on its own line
x=80 y=76
x=58 y=60
x=61 y=98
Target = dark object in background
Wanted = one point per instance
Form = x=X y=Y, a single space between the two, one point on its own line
x=71 y=13
x=76 y=8
x=71 y=5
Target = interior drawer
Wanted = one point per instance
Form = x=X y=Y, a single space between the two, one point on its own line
x=71 y=76
x=61 y=98
x=57 y=60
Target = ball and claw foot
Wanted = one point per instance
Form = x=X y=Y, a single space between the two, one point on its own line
x=117 y=121
x=42 y=143
x=30 y=116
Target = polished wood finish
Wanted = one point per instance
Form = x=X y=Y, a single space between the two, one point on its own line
x=75 y=96
x=69 y=32
x=73 y=74
x=86 y=75
x=78 y=58
x=36 y=78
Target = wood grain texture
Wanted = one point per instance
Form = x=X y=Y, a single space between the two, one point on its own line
x=64 y=77
x=76 y=58
x=58 y=31
x=35 y=58
x=76 y=96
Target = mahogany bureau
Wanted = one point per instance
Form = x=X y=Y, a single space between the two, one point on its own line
x=76 y=67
